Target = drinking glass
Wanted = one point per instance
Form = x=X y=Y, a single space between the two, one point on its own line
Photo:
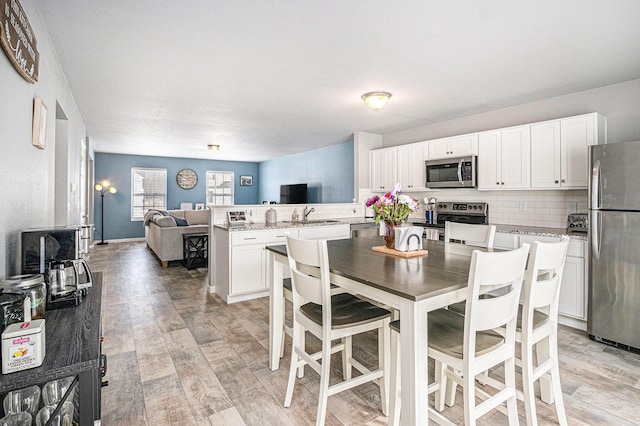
x=16 y=419
x=22 y=400
x=63 y=418
x=53 y=391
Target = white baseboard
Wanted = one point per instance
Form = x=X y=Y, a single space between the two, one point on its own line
x=121 y=240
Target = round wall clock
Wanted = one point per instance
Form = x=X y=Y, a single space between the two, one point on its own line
x=186 y=178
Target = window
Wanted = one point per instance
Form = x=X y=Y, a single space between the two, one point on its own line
x=148 y=191
x=220 y=188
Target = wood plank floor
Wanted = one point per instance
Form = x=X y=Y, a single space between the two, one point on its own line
x=179 y=355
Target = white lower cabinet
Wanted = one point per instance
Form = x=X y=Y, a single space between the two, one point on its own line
x=240 y=263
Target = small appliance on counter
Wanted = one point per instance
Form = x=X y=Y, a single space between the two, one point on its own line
x=55 y=253
x=578 y=223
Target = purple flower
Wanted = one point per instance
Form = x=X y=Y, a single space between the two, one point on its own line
x=371 y=201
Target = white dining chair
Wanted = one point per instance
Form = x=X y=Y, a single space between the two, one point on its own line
x=537 y=326
x=466 y=346
x=328 y=317
x=476 y=235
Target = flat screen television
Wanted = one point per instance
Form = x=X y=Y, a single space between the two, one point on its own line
x=293 y=194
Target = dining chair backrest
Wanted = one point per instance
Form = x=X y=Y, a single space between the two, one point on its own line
x=309 y=264
x=544 y=276
x=494 y=271
x=477 y=235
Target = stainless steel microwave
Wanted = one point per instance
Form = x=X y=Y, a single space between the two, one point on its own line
x=451 y=172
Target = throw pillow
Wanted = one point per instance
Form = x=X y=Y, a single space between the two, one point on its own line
x=180 y=222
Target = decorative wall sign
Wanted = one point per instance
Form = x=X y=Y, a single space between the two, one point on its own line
x=39 y=135
x=186 y=178
x=18 y=40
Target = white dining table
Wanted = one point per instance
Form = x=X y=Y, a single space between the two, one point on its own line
x=414 y=286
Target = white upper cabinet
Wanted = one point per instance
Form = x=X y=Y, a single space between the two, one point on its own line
x=559 y=150
x=383 y=169
x=411 y=167
x=504 y=158
x=456 y=146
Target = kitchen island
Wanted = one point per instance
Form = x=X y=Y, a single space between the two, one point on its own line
x=238 y=263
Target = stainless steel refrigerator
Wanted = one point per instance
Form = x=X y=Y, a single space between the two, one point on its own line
x=614 y=250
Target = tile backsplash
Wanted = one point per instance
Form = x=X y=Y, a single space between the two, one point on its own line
x=528 y=208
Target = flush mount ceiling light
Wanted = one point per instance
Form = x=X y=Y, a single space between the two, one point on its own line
x=213 y=147
x=376 y=100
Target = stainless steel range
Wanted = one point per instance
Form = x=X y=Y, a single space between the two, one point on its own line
x=455 y=211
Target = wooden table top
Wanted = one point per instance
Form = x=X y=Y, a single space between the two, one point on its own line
x=72 y=341
x=444 y=269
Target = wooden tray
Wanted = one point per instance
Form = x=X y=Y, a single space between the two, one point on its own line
x=385 y=250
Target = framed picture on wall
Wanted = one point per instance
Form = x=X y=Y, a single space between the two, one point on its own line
x=39 y=135
x=199 y=206
x=246 y=180
x=186 y=206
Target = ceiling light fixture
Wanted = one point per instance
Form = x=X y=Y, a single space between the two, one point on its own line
x=376 y=100
x=213 y=147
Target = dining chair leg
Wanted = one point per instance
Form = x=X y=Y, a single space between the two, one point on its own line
x=297 y=332
x=555 y=378
x=449 y=390
x=527 y=383
x=441 y=378
x=384 y=363
x=469 y=399
x=347 y=354
x=284 y=323
x=325 y=371
x=301 y=343
x=394 y=391
x=510 y=382
x=542 y=355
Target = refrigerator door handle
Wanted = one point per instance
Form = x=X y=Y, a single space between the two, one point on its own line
x=595 y=185
x=596 y=219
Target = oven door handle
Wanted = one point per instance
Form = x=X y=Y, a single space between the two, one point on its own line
x=460 y=172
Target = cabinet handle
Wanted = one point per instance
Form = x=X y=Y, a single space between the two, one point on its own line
x=563 y=181
x=556 y=181
x=497 y=183
x=246 y=239
x=502 y=183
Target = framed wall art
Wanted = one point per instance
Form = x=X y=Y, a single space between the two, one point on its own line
x=246 y=180
x=39 y=136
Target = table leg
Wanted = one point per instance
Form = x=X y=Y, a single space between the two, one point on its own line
x=276 y=322
x=414 y=363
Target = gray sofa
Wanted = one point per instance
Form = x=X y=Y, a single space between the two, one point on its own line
x=164 y=236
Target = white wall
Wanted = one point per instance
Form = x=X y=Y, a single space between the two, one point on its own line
x=27 y=174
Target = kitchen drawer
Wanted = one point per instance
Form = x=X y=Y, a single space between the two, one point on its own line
x=271 y=236
x=331 y=232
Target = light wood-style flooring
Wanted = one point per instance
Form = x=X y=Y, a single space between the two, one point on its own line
x=179 y=355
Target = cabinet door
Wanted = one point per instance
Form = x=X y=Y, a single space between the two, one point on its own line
x=516 y=159
x=575 y=135
x=383 y=169
x=572 y=290
x=247 y=269
x=545 y=155
x=464 y=145
x=489 y=161
x=439 y=148
x=331 y=232
x=411 y=167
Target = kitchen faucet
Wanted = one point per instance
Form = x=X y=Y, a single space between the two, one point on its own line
x=307 y=212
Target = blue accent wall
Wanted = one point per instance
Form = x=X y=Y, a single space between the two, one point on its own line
x=328 y=173
x=116 y=168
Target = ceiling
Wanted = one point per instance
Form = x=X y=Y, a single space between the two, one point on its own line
x=264 y=79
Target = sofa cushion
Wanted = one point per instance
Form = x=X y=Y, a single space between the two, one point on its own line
x=197 y=217
x=177 y=213
x=164 y=221
x=181 y=222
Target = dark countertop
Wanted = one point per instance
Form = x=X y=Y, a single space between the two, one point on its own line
x=72 y=342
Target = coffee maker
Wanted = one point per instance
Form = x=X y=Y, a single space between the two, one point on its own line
x=55 y=253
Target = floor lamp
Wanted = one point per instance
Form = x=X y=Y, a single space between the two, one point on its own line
x=103 y=188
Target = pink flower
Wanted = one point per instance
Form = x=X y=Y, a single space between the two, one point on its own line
x=371 y=201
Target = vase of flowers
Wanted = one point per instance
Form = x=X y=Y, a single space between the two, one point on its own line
x=393 y=208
